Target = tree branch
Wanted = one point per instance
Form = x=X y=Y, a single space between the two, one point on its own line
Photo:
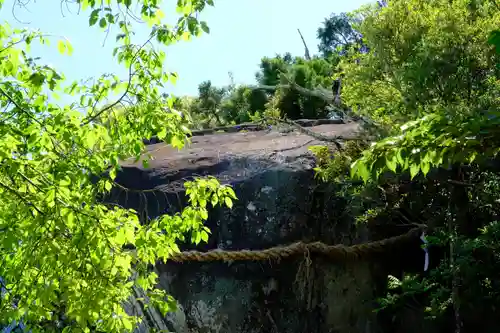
x=306 y=55
x=318 y=136
x=129 y=84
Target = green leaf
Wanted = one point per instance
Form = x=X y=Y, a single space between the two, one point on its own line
x=127 y=324
x=70 y=218
x=359 y=169
x=177 y=142
x=110 y=18
x=112 y=173
x=229 y=202
x=414 y=170
x=121 y=237
x=94 y=16
x=173 y=78
x=230 y=193
x=392 y=163
x=204 y=27
x=102 y=22
x=204 y=236
x=196 y=237
x=61 y=46
x=69 y=47
x=37 y=79
x=425 y=167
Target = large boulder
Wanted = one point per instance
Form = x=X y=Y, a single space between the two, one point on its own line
x=279 y=202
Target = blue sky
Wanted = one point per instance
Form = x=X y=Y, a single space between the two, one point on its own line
x=241 y=33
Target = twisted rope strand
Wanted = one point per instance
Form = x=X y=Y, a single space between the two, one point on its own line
x=336 y=252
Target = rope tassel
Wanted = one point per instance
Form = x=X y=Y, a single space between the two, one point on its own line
x=426 y=250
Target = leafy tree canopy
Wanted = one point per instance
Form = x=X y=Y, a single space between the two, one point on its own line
x=429 y=78
x=423 y=56
x=62 y=252
x=337 y=34
x=429 y=63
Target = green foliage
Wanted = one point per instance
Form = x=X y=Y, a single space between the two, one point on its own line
x=271 y=69
x=426 y=74
x=311 y=74
x=478 y=267
x=437 y=73
x=221 y=106
x=430 y=80
x=242 y=104
x=274 y=96
x=335 y=166
x=62 y=251
x=210 y=99
x=423 y=56
x=410 y=287
x=433 y=141
x=337 y=34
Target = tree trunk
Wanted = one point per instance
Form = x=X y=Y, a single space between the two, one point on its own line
x=457 y=225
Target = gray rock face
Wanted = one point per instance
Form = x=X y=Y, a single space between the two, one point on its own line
x=279 y=203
